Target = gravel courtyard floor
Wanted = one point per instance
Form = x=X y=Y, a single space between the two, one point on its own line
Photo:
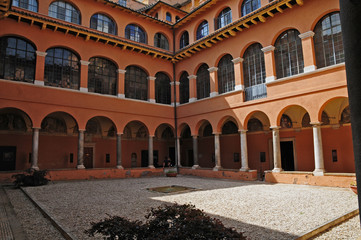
x=260 y=210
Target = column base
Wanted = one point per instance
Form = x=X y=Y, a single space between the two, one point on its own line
x=319 y=172
x=34 y=168
x=120 y=167
x=195 y=167
x=81 y=166
x=151 y=166
x=217 y=168
x=277 y=170
x=246 y=169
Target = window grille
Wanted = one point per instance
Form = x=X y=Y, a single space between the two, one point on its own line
x=288 y=54
x=135 y=33
x=161 y=41
x=328 y=41
x=62 y=69
x=184 y=40
x=202 y=30
x=249 y=6
x=203 y=82
x=225 y=74
x=136 y=83
x=224 y=18
x=102 y=76
x=103 y=23
x=184 y=88
x=17 y=59
x=31 y=5
x=162 y=88
x=64 y=11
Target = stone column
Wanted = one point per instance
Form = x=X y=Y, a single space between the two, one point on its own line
x=40 y=68
x=192 y=88
x=150 y=152
x=35 y=153
x=80 y=150
x=151 y=93
x=178 y=152
x=119 y=151
x=213 y=77
x=84 y=76
x=308 y=51
x=269 y=60
x=121 y=76
x=244 y=151
x=318 y=151
x=195 y=152
x=238 y=74
x=276 y=149
x=217 y=152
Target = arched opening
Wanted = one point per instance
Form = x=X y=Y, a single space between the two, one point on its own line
x=206 y=156
x=164 y=145
x=186 y=147
x=230 y=145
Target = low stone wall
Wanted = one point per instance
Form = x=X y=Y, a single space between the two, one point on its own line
x=329 y=180
x=225 y=174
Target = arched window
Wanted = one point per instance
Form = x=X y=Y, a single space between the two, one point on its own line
x=31 y=5
x=135 y=33
x=162 y=88
x=229 y=128
x=203 y=84
x=64 y=11
x=224 y=18
x=17 y=59
x=254 y=125
x=254 y=73
x=161 y=41
x=328 y=41
x=168 y=17
x=288 y=54
x=62 y=69
x=177 y=18
x=202 y=30
x=184 y=40
x=103 y=23
x=249 y=6
x=225 y=74
x=184 y=88
x=136 y=83
x=102 y=76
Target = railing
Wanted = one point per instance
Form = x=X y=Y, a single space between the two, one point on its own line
x=255 y=92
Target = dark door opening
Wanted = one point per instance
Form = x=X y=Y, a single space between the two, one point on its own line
x=190 y=161
x=287 y=158
x=145 y=160
x=7 y=158
x=88 y=157
x=172 y=155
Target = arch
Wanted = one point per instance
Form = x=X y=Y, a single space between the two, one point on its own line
x=14 y=119
x=226 y=77
x=226 y=119
x=202 y=30
x=261 y=117
x=161 y=41
x=333 y=108
x=135 y=129
x=223 y=18
x=65 y=11
x=203 y=81
x=136 y=33
x=59 y=122
x=102 y=76
x=249 y=6
x=279 y=33
x=102 y=126
x=104 y=23
x=31 y=5
x=160 y=131
x=319 y=17
x=200 y=127
x=136 y=83
x=295 y=113
x=184 y=88
x=184 y=131
x=162 y=88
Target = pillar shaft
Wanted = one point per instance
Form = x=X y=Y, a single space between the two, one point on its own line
x=84 y=76
x=151 y=93
x=119 y=151
x=195 y=152
x=40 y=67
x=150 y=152
x=80 y=164
x=238 y=73
x=318 y=151
x=213 y=78
x=217 y=152
x=308 y=51
x=121 y=77
x=192 y=88
x=244 y=151
x=276 y=149
x=35 y=153
x=178 y=152
x=269 y=60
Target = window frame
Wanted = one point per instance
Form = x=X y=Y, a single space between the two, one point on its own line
x=68 y=8
x=162 y=88
x=31 y=6
x=249 y=6
x=101 y=18
x=203 y=82
x=224 y=18
x=135 y=33
x=202 y=30
x=184 y=88
x=98 y=80
x=136 y=83
x=225 y=73
x=184 y=40
x=161 y=41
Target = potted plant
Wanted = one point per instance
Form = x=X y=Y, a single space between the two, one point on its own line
x=353 y=186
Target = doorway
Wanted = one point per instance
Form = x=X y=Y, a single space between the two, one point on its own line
x=287 y=156
x=7 y=158
x=145 y=160
x=172 y=155
x=88 y=157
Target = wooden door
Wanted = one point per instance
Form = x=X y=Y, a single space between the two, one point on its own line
x=88 y=157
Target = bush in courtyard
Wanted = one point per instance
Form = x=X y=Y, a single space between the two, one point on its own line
x=31 y=177
x=165 y=222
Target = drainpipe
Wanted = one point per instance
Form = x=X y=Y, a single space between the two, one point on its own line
x=175 y=108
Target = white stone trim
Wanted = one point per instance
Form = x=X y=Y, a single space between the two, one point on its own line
x=192 y=100
x=151 y=78
x=269 y=48
x=306 y=35
x=172 y=83
x=275 y=127
x=212 y=69
x=120 y=95
x=190 y=77
x=85 y=63
x=41 y=54
x=83 y=89
x=309 y=68
x=239 y=88
x=177 y=104
x=237 y=60
x=270 y=79
x=151 y=100
x=121 y=71
x=38 y=83
x=213 y=94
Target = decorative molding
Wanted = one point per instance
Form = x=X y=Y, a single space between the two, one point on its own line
x=212 y=69
x=306 y=35
x=121 y=95
x=121 y=71
x=41 y=54
x=151 y=100
x=151 y=78
x=172 y=83
x=190 y=77
x=213 y=94
x=269 y=48
x=85 y=63
x=38 y=83
x=237 y=60
x=239 y=88
x=309 y=68
x=275 y=127
x=82 y=89
x=192 y=100
x=270 y=79
x=316 y=124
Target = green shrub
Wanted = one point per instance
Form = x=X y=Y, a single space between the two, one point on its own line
x=165 y=222
x=31 y=177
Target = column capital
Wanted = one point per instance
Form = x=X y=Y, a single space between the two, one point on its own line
x=243 y=131
x=217 y=133
x=212 y=69
x=239 y=88
x=41 y=54
x=275 y=127
x=190 y=77
x=81 y=130
x=237 y=60
x=269 y=48
x=84 y=63
x=119 y=134
x=36 y=128
x=315 y=124
x=121 y=71
x=194 y=136
x=176 y=83
x=151 y=78
x=306 y=35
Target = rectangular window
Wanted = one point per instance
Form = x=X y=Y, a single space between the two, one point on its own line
x=334 y=155
x=235 y=157
x=107 y=158
x=71 y=158
x=262 y=157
